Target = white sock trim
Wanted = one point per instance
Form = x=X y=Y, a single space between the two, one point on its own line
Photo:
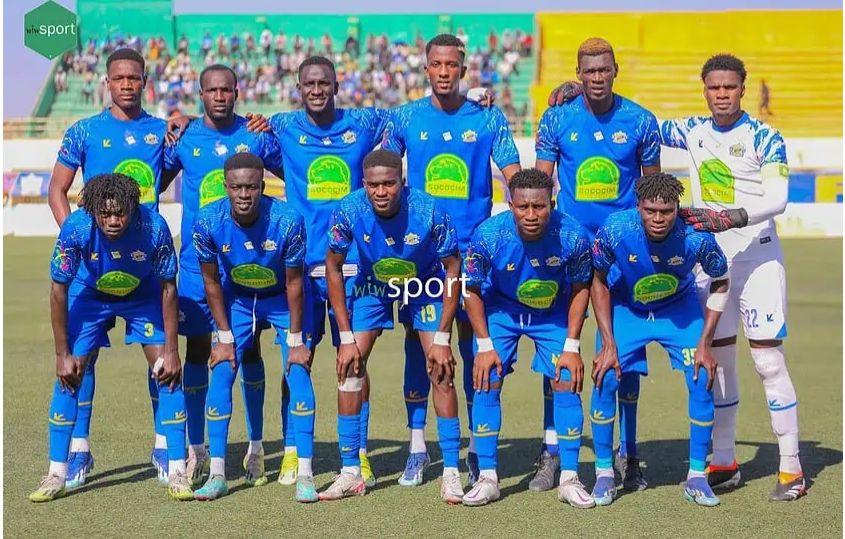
x=161 y=441
x=418 y=441
x=255 y=447
x=218 y=466
x=58 y=468
x=174 y=466
x=304 y=467
x=80 y=445
x=550 y=437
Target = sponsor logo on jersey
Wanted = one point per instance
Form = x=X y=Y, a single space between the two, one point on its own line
x=537 y=294
x=717 y=182
x=329 y=178
x=143 y=175
x=597 y=178
x=655 y=287
x=394 y=268
x=447 y=176
x=212 y=187
x=253 y=276
x=117 y=283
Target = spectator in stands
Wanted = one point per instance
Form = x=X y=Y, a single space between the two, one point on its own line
x=207 y=44
x=235 y=46
x=249 y=41
x=764 y=100
x=88 y=88
x=463 y=37
x=182 y=47
x=265 y=41
x=280 y=44
x=60 y=80
x=352 y=47
x=327 y=43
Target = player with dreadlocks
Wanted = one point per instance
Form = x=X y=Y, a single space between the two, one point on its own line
x=654 y=299
x=129 y=264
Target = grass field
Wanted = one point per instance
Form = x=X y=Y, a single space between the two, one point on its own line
x=122 y=498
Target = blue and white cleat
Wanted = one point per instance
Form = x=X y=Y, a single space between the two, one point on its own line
x=474 y=472
x=306 y=491
x=79 y=465
x=697 y=490
x=215 y=487
x=161 y=464
x=413 y=476
x=604 y=491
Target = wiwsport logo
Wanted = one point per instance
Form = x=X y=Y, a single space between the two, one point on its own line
x=50 y=30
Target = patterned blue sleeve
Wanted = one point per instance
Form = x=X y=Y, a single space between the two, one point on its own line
x=171 y=156
x=340 y=229
x=504 y=148
x=769 y=146
x=67 y=254
x=372 y=123
x=72 y=150
x=545 y=143
x=294 y=254
x=271 y=152
x=445 y=236
x=579 y=266
x=603 y=257
x=713 y=261
x=394 y=134
x=203 y=239
x=279 y=122
x=477 y=262
x=673 y=133
x=164 y=254
x=648 y=151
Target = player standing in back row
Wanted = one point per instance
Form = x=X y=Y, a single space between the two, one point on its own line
x=739 y=184
x=450 y=142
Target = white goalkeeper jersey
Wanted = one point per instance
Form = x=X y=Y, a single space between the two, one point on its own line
x=729 y=166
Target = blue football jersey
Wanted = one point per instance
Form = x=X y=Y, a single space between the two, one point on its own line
x=254 y=258
x=126 y=268
x=411 y=244
x=323 y=165
x=200 y=155
x=102 y=144
x=519 y=276
x=449 y=156
x=654 y=274
x=598 y=157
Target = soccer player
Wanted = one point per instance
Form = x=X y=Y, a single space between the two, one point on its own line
x=517 y=263
x=259 y=244
x=200 y=153
x=739 y=184
x=403 y=240
x=449 y=142
x=654 y=299
x=124 y=139
x=127 y=251
x=601 y=142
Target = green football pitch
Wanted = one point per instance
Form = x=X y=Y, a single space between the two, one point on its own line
x=122 y=498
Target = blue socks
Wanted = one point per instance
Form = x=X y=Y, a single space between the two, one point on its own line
x=467 y=350
x=195 y=388
x=365 y=425
x=449 y=433
x=569 y=422
x=349 y=439
x=301 y=408
x=602 y=416
x=486 y=422
x=417 y=385
x=549 y=417
x=629 y=394
x=219 y=408
x=152 y=385
x=701 y=412
x=173 y=420
x=253 y=388
x=86 y=402
x=63 y=414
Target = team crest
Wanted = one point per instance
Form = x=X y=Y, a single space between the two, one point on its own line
x=268 y=245
x=412 y=239
x=349 y=137
x=469 y=136
x=241 y=148
x=553 y=261
x=620 y=137
x=130 y=139
x=139 y=256
x=302 y=139
x=737 y=150
x=151 y=139
x=676 y=261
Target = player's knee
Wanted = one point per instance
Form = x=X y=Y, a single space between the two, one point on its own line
x=566 y=399
x=490 y=398
x=609 y=383
x=352 y=384
x=223 y=375
x=444 y=386
x=769 y=363
x=700 y=398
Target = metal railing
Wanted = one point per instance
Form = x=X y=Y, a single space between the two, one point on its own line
x=49 y=127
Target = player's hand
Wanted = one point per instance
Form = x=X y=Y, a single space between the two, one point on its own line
x=257 y=123
x=171 y=370
x=299 y=355
x=441 y=362
x=176 y=128
x=221 y=352
x=347 y=354
x=69 y=371
x=483 y=96
x=564 y=93
x=575 y=365
x=606 y=359
x=706 y=220
x=484 y=362
x=704 y=358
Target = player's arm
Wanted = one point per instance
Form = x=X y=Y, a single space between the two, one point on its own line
x=60 y=183
x=394 y=132
x=340 y=241
x=545 y=144
x=164 y=268
x=505 y=154
x=476 y=267
x=607 y=358
x=579 y=272
x=648 y=150
x=715 y=264
x=63 y=268
x=271 y=154
x=294 y=257
x=439 y=355
x=208 y=256
x=171 y=167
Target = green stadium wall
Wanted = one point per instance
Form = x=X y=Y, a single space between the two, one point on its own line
x=136 y=17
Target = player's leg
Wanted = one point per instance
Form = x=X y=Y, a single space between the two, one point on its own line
x=548 y=461
x=467 y=348
x=253 y=390
x=416 y=389
x=487 y=410
x=763 y=300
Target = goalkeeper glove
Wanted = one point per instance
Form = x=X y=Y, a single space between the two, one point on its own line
x=706 y=220
x=564 y=93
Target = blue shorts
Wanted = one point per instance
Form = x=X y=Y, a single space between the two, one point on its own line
x=195 y=318
x=316 y=306
x=548 y=331
x=90 y=318
x=76 y=288
x=249 y=314
x=676 y=327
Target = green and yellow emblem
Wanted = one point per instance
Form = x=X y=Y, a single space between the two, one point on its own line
x=447 y=176
x=212 y=187
x=655 y=287
x=597 y=178
x=329 y=178
x=143 y=174
x=253 y=276
x=717 y=182
x=117 y=283
x=394 y=268
x=537 y=294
